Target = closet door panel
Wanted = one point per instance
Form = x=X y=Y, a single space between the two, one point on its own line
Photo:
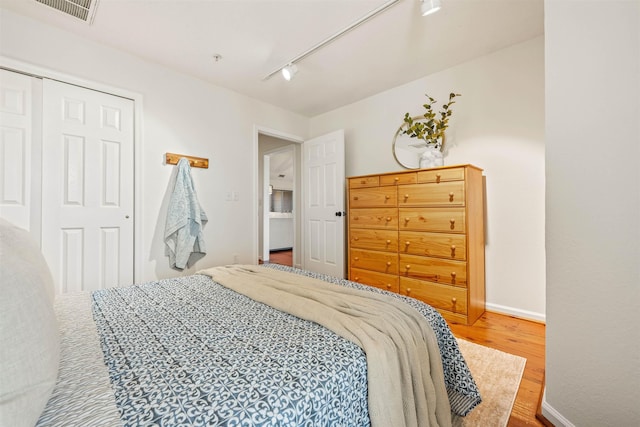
x=16 y=147
x=88 y=203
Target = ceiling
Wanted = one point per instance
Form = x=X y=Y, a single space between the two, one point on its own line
x=281 y=168
x=256 y=37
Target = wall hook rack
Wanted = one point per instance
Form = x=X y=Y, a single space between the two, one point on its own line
x=195 y=162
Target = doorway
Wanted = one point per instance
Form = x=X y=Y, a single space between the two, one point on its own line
x=278 y=215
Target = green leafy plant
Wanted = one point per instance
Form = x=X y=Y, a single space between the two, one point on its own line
x=428 y=127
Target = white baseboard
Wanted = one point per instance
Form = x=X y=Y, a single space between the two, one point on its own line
x=554 y=416
x=523 y=314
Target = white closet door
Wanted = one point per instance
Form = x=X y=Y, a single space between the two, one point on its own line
x=16 y=145
x=87 y=202
x=324 y=181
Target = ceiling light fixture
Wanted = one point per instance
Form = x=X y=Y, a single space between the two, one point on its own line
x=289 y=71
x=328 y=40
x=430 y=6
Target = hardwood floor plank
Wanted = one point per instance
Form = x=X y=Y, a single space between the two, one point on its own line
x=520 y=337
x=281 y=257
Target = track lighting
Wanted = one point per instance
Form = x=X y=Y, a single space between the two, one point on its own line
x=427 y=7
x=291 y=63
x=289 y=71
x=430 y=6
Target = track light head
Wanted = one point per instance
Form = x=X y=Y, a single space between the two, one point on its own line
x=289 y=71
x=430 y=6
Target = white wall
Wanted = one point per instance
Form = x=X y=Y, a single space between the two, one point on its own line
x=181 y=115
x=593 y=212
x=497 y=125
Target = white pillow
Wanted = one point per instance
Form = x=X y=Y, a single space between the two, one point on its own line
x=29 y=336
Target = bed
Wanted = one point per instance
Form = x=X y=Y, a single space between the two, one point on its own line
x=194 y=351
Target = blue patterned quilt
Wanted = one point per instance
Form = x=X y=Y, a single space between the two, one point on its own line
x=189 y=351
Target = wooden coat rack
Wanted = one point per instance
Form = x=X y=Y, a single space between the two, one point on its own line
x=195 y=162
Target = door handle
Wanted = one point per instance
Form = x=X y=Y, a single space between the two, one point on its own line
x=341 y=213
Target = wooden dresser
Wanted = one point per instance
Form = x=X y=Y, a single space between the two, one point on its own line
x=421 y=233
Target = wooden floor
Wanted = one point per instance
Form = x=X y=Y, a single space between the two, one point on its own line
x=522 y=338
x=281 y=257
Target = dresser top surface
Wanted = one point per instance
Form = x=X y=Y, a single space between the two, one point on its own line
x=417 y=170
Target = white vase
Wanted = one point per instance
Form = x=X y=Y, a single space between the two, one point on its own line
x=431 y=158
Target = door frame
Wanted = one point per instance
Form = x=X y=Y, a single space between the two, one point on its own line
x=17 y=66
x=257 y=190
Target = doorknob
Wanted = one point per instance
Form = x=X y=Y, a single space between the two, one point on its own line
x=341 y=213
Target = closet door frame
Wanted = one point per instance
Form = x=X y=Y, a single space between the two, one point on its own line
x=11 y=64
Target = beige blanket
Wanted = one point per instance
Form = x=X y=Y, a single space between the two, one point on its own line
x=405 y=378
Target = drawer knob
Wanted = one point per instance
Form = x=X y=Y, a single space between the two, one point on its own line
x=451 y=196
x=408 y=291
x=356 y=278
x=453 y=223
x=438 y=177
x=408 y=267
x=406 y=220
x=389 y=284
x=453 y=247
x=355 y=197
x=387 y=197
x=363 y=182
x=388 y=218
x=407 y=243
x=356 y=238
x=454 y=300
x=396 y=179
x=388 y=263
x=388 y=242
x=356 y=258
x=406 y=196
x=355 y=218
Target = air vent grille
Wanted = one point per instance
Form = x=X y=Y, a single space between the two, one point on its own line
x=81 y=9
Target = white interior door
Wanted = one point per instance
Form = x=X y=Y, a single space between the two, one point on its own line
x=324 y=227
x=87 y=173
x=17 y=116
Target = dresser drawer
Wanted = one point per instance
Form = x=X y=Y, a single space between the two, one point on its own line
x=377 y=240
x=399 y=178
x=450 y=246
x=434 y=269
x=383 y=281
x=441 y=175
x=373 y=197
x=382 y=262
x=384 y=218
x=446 y=220
x=441 y=297
x=364 y=181
x=443 y=194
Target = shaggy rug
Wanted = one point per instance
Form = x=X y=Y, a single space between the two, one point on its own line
x=498 y=376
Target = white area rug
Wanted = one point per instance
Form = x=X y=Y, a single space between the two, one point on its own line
x=498 y=376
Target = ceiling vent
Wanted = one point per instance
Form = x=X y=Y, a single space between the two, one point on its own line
x=81 y=9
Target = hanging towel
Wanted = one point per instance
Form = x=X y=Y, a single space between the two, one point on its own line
x=185 y=219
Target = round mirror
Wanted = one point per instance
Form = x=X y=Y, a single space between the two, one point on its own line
x=407 y=150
